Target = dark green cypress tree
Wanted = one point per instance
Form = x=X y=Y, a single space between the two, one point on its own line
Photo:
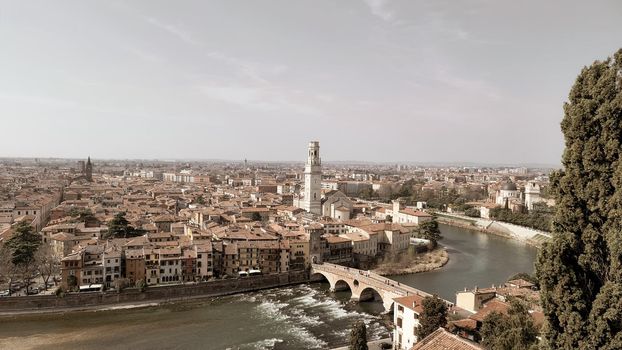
x=23 y=245
x=580 y=270
x=358 y=336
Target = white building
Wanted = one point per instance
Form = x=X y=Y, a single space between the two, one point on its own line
x=406 y=311
x=336 y=205
x=312 y=197
x=508 y=193
x=403 y=215
x=532 y=194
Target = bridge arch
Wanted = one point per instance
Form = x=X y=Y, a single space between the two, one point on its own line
x=319 y=277
x=370 y=294
x=336 y=283
x=342 y=285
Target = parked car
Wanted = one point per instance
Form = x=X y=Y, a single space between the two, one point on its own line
x=386 y=345
x=33 y=291
x=4 y=293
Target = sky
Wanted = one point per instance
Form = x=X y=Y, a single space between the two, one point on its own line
x=479 y=81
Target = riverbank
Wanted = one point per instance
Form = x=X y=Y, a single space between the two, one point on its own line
x=494 y=228
x=405 y=264
x=304 y=316
x=132 y=298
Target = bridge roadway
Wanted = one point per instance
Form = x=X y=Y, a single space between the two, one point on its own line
x=361 y=283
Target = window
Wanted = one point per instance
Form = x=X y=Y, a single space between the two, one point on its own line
x=399 y=322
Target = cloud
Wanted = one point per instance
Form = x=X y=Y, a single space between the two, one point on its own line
x=174 y=30
x=256 y=98
x=249 y=69
x=145 y=56
x=379 y=9
x=46 y=101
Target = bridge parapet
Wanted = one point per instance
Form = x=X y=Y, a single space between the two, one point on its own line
x=359 y=280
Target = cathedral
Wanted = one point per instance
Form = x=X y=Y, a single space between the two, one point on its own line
x=334 y=204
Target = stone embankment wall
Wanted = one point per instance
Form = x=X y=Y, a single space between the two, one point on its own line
x=525 y=234
x=152 y=294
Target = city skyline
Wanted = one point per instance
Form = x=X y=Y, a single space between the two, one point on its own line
x=373 y=81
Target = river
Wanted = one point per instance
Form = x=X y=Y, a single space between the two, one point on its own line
x=299 y=317
x=475 y=259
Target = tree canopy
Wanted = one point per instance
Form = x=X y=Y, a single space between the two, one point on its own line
x=434 y=315
x=429 y=230
x=358 y=336
x=580 y=270
x=23 y=245
x=514 y=331
x=540 y=218
x=119 y=227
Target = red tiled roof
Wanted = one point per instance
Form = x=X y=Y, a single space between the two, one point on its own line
x=413 y=302
x=493 y=305
x=440 y=339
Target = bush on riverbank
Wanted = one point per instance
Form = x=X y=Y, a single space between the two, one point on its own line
x=411 y=262
x=540 y=218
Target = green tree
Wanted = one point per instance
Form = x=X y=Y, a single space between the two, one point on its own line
x=256 y=216
x=367 y=193
x=72 y=282
x=141 y=285
x=434 y=315
x=429 y=230
x=119 y=227
x=200 y=200
x=580 y=270
x=514 y=331
x=86 y=215
x=358 y=336
x=23 y=245
x=472 y=212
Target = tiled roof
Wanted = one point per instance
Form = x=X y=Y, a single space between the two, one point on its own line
x=491 y=306
x=440 y=339
x=413 y=302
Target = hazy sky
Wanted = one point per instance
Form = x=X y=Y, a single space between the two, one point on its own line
x=378 y=80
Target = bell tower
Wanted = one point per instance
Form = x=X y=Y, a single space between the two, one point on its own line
x=89 y=170
x=312 y=201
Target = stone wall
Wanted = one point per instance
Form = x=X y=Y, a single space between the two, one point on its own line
x=151 y=294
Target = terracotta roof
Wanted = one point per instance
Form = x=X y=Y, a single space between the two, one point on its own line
x=336 y=239
x=413 y=302
x=415 y=213
x=466 y=323
x=440 y=339
x=493 y=305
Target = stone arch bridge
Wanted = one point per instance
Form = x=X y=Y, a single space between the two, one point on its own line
x=364 y=285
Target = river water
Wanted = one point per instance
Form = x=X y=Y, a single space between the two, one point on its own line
x=299 y=317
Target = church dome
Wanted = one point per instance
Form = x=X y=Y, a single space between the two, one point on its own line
x=509 y=186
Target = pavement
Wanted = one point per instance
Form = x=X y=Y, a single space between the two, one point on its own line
x=372 y=345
